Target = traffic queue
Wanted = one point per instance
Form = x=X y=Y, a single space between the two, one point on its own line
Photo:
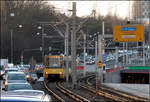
x=16 y=87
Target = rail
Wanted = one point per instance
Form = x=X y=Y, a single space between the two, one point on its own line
x=71 y=94
x=119 y=96
x=55 y=95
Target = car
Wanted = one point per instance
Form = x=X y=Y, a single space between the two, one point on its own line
x=15 y=77
x=1 y=72
x=9 y=70
x=17 y=86
x=90 y=62
x=25 y=96
x=34 y=77
x=28 y=76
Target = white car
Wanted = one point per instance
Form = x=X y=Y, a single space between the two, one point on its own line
x=25 y=96
x=9 y=70
x=15 y=77
x=17 y=86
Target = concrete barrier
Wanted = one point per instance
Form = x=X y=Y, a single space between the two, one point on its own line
x=113 y=75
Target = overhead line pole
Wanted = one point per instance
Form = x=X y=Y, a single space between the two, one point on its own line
x=84 y=35
x=11 y=32
x=73 y=44
x=66 y=51
x=43 y=44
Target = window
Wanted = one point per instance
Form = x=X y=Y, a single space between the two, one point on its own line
x=54 y=62
x=16 y=77
x=18 y=87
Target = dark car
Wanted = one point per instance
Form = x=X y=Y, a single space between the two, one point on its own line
x=1 y=72
x=25 y=96
x=34 y=77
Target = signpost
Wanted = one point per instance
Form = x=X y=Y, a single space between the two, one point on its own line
x=129 y=33
x=100 y=64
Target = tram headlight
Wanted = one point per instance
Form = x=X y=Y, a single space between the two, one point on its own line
x=60 y=72
x=46 y=72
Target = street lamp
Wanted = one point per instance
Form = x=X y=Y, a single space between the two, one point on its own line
x=12 y=14
x=38 y=33
x=20 y=26
x=39 y=27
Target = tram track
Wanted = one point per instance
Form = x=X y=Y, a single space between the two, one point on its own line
x=99 y=93
x=109 y=93
x=62 y=94
x=58 y=98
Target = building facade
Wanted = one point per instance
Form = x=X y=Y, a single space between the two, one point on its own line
x=141 y=11
x=3 y=14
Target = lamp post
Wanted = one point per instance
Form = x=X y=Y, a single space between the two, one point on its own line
x=96 y=58
x=39 y=27
x=21 y=57
x=11 y=35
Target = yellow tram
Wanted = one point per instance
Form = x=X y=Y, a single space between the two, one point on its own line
x=54 y=67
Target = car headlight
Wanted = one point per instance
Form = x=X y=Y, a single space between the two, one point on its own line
x=27 y=76
x=2 y=72
x=6 y=83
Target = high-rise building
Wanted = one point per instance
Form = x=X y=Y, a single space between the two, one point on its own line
x=141 y=11
x=3 y=12
x=141 y=15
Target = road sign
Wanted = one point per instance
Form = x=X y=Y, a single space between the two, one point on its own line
x=128 y=33
x=79 y=67
x=99 y=64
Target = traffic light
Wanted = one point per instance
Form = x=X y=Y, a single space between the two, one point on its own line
x=104 y=67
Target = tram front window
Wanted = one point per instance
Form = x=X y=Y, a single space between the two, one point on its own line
x=53 y=63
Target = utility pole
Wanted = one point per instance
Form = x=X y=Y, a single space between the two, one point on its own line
x=96 y=67
x=100 y=77
x=73 y=44
x=116 y=60
x=66 y=51
x=101 y=51
x=96 y=54
x=11 y=32
x=103 y=32
x=84 y=35
x=123 y=54
x=43 y=44
x=126 y=53
x=144 y=53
